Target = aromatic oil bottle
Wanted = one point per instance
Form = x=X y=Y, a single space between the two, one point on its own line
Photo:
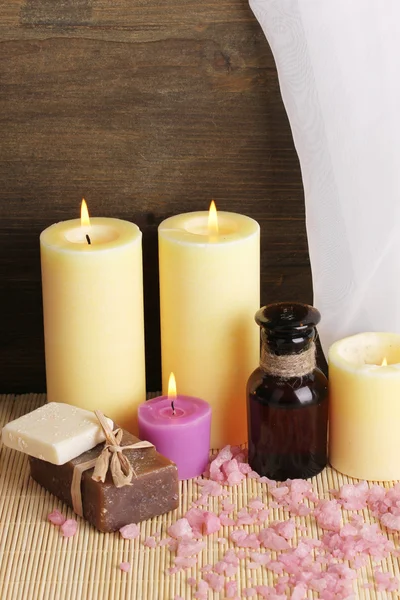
x=287 y=396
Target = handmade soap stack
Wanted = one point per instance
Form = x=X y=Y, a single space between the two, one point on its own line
x=109 y=477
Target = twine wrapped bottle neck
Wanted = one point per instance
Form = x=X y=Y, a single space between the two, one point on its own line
x=286 y=365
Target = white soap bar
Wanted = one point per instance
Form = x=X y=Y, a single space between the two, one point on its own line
x=54 y=432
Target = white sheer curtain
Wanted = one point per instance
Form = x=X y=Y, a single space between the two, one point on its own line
x=338 y=63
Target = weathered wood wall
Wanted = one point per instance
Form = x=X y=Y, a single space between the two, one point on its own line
x=147 y=109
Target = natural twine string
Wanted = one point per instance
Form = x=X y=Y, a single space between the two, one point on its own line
x=111 y=457
x=287 y=365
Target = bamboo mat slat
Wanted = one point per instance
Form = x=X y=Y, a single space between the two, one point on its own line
x=37 y=563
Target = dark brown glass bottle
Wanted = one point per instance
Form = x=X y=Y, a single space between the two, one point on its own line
x=287 y=396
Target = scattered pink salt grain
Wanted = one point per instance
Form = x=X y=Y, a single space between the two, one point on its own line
x=209 y=487
x=256 y=503
x=249 y=592
x=279 y=492
x=130 y=532
x=299 y=592
x=244 y=540
x=56 y=517
x=150 y=542
x=125 y=566
x=195 y=517
x=328 y=515
x=227 y=506
x=190 y=547
x=69 y=528
x=226 y=521
x=180 y=529
x=391 y=521
x=354 y=497
x=273 y=541
x=222 y=540
x=284 y=528
x=185 y=562
x=386 y=581
x=231 y=589
x=211 y=523
x=215 y=581
x=164 y=542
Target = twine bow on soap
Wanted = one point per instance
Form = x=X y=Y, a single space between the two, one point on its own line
x=112 y=456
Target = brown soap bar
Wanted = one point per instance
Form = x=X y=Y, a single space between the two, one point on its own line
x=154 y=490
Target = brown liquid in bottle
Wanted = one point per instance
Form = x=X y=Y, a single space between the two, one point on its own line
x=287 y=412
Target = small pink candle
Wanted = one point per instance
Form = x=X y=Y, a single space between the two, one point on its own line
x=179 y=427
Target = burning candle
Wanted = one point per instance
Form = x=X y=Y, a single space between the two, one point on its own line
x=93 y=315
x=179 y=428
x=209 y=293
x=364 y=411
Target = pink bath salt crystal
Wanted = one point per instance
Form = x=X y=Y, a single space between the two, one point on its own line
x=172 y=570
x=172 y=544
x=190 y=547
x=185 y=562
x=202 y=500
x=279 y=492
x=164 y=542
x=226 y=521
x=235 y=478
x=209 y=487
x=230 y=466
x=241 y=553
x=220 y=567
x=328 y=515
x=244 y=518
x=273 y=541
x=301 y=509
x=263 y=515
x=191 y=581
x=227 y=506
x=130 y=532
x=203 y=587
x=256 y=503
x=69 y=528
x=180 y=529
x=245 y=468
x=253 y=475
x=260 y=558
x=249 y=592
x=150 y=542
x=238 y=535
x=211 y=523
x=386 y=581
x=391 y=522
x=244 y=540
x=354 y=497
x=215 y=581
x=56 y=518
x=222 y=540
x=264 y=591
x=276 y=566
x=264 y=479
x=231 y=589
x=284 y=528
x=216 y=463
x=125 y=566
x=299 y=592
x=195 y=518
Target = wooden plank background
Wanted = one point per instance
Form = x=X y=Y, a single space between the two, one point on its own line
x=147 y=109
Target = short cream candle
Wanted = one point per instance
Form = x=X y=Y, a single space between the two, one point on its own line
x=93 y=316
x=364 y=440
x=209 y=294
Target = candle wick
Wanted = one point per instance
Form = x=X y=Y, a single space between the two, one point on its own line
x=173 y=407
x=88 y=239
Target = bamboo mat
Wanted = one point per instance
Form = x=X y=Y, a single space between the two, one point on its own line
x=37 y=563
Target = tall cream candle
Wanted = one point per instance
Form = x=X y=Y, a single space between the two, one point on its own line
x=209 y=294
x=93 y=316
x=364 y=406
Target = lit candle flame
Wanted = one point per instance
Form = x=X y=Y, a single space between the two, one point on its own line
x=172 y=391
x=384 y=362
x=212 y=219
x=85 y=221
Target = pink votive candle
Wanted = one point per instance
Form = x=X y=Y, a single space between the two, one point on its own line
x=181 y=431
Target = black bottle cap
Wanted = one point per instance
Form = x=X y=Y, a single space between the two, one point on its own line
x=289 y=326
